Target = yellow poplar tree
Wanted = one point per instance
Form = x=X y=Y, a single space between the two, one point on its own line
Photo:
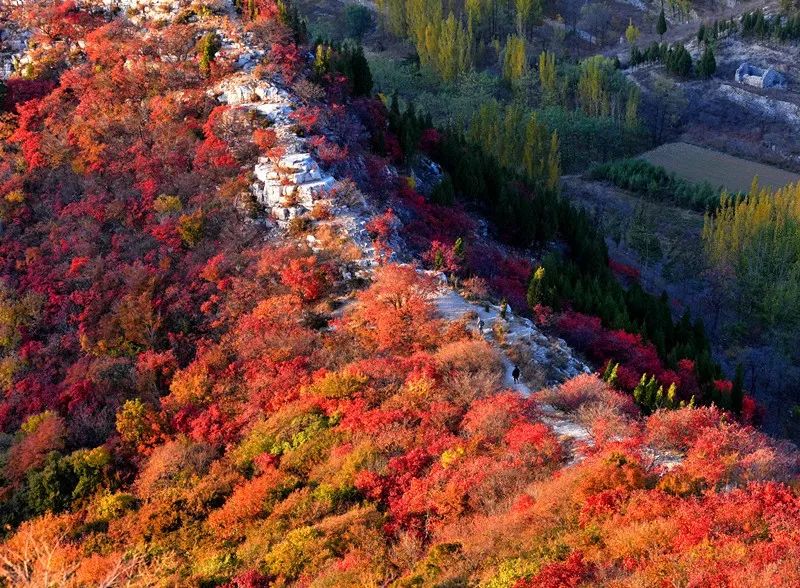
x=548 y=77
x=757 y=240
x=393 y=13
x=429 y=55
x=592 y=94
x=533 y=152
x=512 y=140
x=524 y=10
x=632 y=108
x=631 y=33
x=515 y=61
x=554 y=162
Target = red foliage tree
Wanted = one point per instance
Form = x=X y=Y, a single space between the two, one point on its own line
x=395 y=314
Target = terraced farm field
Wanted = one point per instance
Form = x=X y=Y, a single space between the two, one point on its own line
x=698 y=164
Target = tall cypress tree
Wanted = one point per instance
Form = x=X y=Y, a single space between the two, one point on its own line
x=661 y=26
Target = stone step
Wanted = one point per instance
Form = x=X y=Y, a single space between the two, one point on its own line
x=315 y=190
x=276 y=112
x=298 y=162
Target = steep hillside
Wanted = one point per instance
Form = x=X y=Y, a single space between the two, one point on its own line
x=259 y=327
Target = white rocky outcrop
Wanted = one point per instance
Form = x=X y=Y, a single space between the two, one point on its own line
x=294 y=183
x=147 y=7
x=13 y=46
x=260 y=95
x=296 y=176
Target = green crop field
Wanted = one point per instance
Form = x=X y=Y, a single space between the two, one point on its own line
x=698 y=164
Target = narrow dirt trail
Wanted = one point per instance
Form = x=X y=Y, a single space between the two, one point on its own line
x=452 y=306
x=567 y=426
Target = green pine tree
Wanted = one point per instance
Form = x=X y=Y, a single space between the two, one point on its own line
x=458 y=248
x=361 y=77
x=613 y=378
x=672 y=396
x=737 y=392
x=640 y=391
x=444 y=193
x=207 y=47
x=708 y=64
x=607 y=371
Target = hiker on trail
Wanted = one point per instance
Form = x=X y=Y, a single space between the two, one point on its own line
x=515 y=374
x=480 y=325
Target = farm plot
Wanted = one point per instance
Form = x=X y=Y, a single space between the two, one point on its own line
x=698 y=164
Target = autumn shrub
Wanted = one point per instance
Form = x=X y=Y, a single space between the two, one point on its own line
x=512 y=571
x=249 y=579
x=571 y=573
x=444 y=564
x=155 y=519
x=286 y=430
x=213 y=488
x=475 y=288
x=310 y=450
x=677 y=430
x=606 y=422
x=583 y=389
x=39 y=435
x=307 y=277
x=265 y=139
x=491 y=418
x=534 y=443
x=101 y=569
x=339 y=385
x=730 y=455
x=469 y=356
x=167 y=204
x=249 y=500
x=175 y=464
x=113 y=505
x=472 y=369
x=138 y=424
x=260 y=439
x=190 y=227
x=278 y=320
x=346 y=461
x=289 y=558
x=191 y=385
x=321 y=211
x=580 y=493
x=210 y=565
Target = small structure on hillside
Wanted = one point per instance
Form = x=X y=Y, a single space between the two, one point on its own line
x=760 y=78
